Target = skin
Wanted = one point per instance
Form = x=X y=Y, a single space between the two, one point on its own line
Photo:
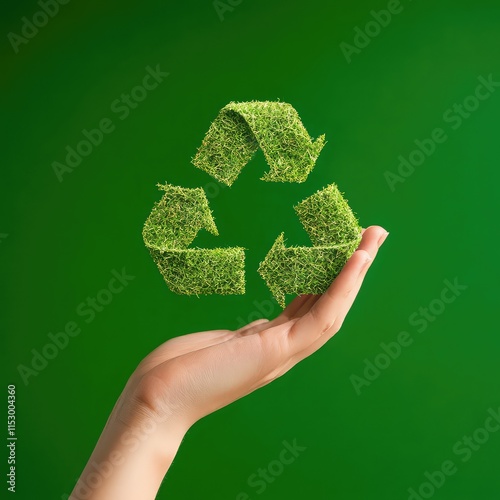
x=189 y=377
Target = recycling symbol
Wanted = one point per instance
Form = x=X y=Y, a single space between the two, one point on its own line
x=235 y=135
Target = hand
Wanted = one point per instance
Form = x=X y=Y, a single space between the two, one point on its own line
x=191 y=376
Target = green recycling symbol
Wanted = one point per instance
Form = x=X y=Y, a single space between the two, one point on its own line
x=236 y=134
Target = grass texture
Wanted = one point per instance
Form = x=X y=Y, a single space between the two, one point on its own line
x=232 y=139
x=242 y=127
x=172 y=226
x=335 y=234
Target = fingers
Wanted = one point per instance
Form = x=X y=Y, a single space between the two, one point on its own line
x=306 y=307
x=343 y=311
x=181 y=345
x=371 y=246
x=336 y=301
x=303 y=303
x=253 y=327
x=295 y=309
x=192 y=342
x=290 y=311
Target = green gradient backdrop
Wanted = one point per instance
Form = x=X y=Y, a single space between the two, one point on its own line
x=65 y=238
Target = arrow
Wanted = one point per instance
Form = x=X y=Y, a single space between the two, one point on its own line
x=241 y=128
x=335 y=234
x=172 y=226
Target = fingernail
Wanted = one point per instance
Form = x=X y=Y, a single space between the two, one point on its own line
x=382 y=238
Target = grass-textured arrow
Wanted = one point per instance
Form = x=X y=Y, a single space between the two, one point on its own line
x=236 y=134
x=172 y=226
x=242 y=127
x=335 y=234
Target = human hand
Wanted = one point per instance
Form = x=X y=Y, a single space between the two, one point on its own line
x=189 y=377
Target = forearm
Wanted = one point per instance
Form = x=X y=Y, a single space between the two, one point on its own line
x=130 y=460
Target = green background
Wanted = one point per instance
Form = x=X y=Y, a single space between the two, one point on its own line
x=64 y=238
